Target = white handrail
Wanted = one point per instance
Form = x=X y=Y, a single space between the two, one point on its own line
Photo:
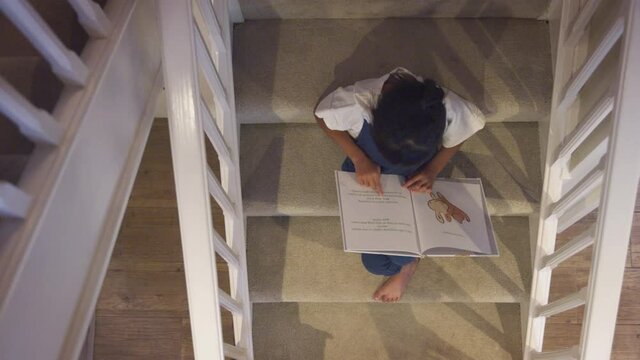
x=14 y=202
x=186 y=55
x=617 y=202
x=34 y=123
x=91 y=17
x=64 y=62
x=188 y=154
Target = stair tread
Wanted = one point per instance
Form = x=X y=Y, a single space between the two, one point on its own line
x=287 y=169
x=370 y=9
x=301 y=259
x=386 y=331
x=483 y=60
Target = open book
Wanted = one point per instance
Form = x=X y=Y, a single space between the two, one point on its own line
x=452 y=221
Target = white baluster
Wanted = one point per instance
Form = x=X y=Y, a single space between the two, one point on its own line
x=92 y=18
x=234 y=352
x=581 y=22
x=229 y=303
x=566 y=354
x=34 y=123
x=576 y=83
x=64 y=62
x=13 y=201
x=566 y=303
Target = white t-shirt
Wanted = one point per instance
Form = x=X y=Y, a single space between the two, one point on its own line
x=346 y=107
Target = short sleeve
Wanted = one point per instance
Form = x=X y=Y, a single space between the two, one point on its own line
x=463 y=120
x=339 y=110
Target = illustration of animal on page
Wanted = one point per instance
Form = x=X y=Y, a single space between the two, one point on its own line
x=445 y=210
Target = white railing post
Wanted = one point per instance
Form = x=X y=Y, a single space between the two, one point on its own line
x=92 y=18
x=13 y=201
x=617 y=204
x=34 y=123
x=64 y=62
x=192 y=191
x=204 y=49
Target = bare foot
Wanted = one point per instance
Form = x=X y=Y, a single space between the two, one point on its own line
x=392 y=289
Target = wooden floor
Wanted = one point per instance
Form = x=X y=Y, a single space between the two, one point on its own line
x=142 y=312
x=564 y=329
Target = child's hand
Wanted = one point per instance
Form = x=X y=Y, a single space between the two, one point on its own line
x=368 y=174
x=422 y=181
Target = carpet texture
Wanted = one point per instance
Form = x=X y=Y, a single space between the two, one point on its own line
x=282 y=68
x=301 y=259
x=311 y=300
x=369 y=9
x=287 y=169
x=311 y=331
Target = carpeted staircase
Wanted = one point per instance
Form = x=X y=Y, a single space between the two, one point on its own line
x=311 y=299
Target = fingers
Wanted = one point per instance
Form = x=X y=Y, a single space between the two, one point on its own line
x=372 y=182
x=412 y=181
x=376 y=184
x=419 y=184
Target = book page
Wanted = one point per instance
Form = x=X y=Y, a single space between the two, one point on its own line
x=453 y=218
x=374 y=223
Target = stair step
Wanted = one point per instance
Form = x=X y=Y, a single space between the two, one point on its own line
x=386 y=331
x=287 y=169
x=299 y=61
x=301 y=259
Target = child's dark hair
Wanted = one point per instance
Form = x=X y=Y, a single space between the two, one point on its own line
x=409 y=120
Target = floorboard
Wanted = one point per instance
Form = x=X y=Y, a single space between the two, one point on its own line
x=142 y=312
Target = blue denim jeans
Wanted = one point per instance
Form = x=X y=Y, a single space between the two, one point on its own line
x=386 y=265
x=382 y=264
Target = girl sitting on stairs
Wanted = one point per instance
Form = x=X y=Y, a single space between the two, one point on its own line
x=397 y=124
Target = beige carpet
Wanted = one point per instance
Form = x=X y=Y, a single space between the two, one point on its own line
x=302 y=259
x=311 y=299
x=287 y=169
x=282 y=68
x=321 y=9
x=311 y=331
